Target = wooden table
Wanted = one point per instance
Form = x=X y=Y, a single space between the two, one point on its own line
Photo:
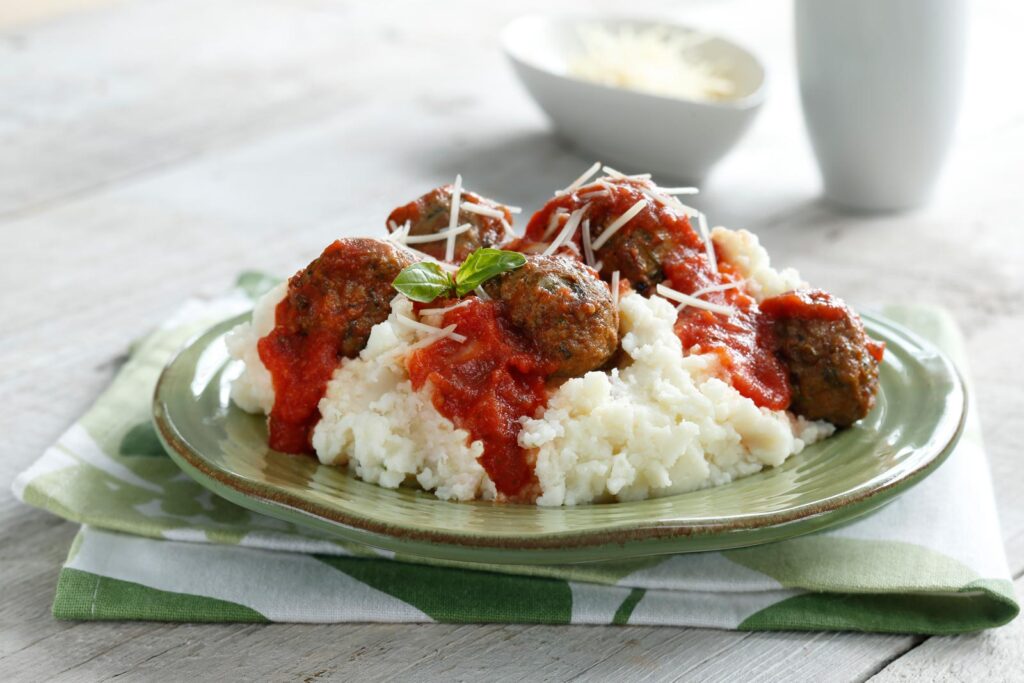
x=151 y=149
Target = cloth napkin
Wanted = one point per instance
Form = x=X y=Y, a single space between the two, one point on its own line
x=155 y=545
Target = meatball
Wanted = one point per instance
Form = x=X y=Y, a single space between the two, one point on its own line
x=564 y=308
x=430 y=214
x=832 y=363
x=638 y=249
x=639 y=253
x=345 y=292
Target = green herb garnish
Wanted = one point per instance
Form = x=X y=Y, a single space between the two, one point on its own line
x=426 y=281
x=482 y=265
x=423 y=282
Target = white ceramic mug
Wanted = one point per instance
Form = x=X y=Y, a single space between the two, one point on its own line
x=880 y=82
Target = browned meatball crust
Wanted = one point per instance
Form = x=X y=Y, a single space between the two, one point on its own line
x=564 y=308
x=639 y=249
x=833 y=364
x=430 y=214
x=346 y=291
x=638 y=253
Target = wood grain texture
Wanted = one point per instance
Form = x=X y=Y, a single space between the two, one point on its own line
x=154 y=148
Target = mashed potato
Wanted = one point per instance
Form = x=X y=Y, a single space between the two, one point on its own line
x=387 y=433
x=743 y=250
x=661 y=424
x=253 y=390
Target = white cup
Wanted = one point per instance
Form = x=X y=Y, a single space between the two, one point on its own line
x=880 y=82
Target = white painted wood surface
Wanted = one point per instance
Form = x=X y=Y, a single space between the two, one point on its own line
x=150 y=149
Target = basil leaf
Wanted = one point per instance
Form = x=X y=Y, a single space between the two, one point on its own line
x=482 y=265
x=423 y=282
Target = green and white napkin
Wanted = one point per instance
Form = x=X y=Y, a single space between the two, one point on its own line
x=155 y=545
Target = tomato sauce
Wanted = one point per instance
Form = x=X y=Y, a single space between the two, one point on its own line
x=300 y=367
x=742 y=340
x=815 y=304
x=603 y=209
x=485 y=385
x=325 y=317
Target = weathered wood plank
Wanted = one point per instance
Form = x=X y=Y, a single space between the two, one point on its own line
x=134 y=177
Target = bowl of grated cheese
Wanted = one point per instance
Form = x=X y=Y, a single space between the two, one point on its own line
x=639 y=93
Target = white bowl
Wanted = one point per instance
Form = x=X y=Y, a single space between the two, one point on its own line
x=671 y=137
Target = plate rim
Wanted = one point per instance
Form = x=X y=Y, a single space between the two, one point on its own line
x=710 y=534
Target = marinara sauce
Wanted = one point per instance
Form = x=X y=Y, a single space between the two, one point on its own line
x=660 y=245
x=326 y=316
x=485 y=385
x=815 y=304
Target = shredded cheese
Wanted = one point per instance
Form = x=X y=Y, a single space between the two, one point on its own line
x=687 y=209
x=619 y=175
x=612 y=172
x=453 y=218
x=437 y=236
x=588 y=250
x=514 y=209
x=481 y=294
x=553 y=222
x=658 y=60
x=399 y=235
x=582 y=179
x=449 y=267
x=429 y=329
x=716 y=288
x=442 y=311
x=438 y=335
x=567 y=231
x=678 y=190
x=618 y=223
x=615 y=289
x=663 y=199
x=707 y=290
x=482 y=210
x=709 y=246
x=689 y=300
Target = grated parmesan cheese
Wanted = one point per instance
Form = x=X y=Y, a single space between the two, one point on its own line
x=588 y=250
x=669 y=293
x=482 y=210
x=453 y=218
x=655 y=60
x=618 y=223
x=567 y=231
x=436 y=336
x=429 y=329
x=707 y=290
x=594 y=168
x=442 y=311
x=709 y=246
x=619 y=175
x=437 y=236
x=553 y=222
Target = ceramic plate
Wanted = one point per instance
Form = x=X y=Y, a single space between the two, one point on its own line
x=916 y=423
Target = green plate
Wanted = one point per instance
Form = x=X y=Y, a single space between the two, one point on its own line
x=915 y=425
